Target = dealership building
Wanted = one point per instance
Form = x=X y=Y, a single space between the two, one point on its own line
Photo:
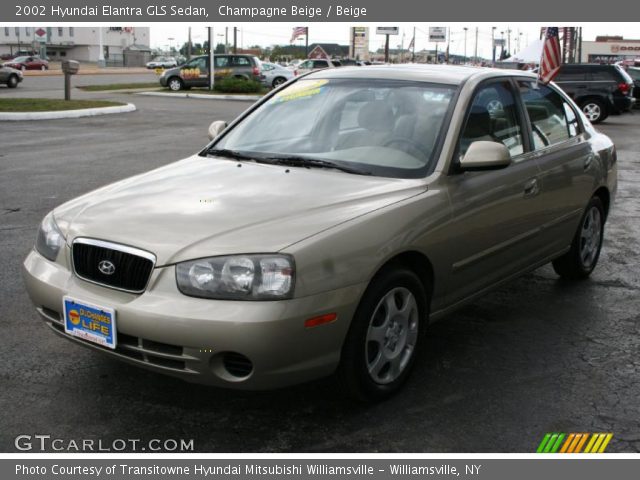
x=610 y=49
x=77 y=43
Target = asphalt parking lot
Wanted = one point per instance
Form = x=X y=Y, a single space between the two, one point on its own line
x=536 y=356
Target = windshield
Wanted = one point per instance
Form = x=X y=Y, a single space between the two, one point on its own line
x=385 y=127
x=20 y=59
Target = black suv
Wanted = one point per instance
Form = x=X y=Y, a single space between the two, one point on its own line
x=195 y=73
x=634 y=73
x=599 y=90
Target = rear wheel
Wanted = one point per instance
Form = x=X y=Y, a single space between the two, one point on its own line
x=594 y=110
x=43 y=68
x=175 y=84
x=384 y=337
x=278 y=81
x=583 y=256
x=12 y=81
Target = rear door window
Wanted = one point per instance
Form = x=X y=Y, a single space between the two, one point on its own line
x=320 y=64
x=552 y=119
x=241 y=61
x=573 y=74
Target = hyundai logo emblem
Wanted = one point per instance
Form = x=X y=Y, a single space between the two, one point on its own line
x=106 y=267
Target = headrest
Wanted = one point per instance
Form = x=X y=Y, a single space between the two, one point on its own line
x=376 y=116
x=478 y=123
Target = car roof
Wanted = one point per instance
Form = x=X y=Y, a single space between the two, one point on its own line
x=446 y=74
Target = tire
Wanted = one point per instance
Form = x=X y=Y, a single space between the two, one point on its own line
x=381 y=346
x=594 y=109
x=12 y=81
x=582 y=258
x=43 y=68
x=23 y=67
x=278 y=81
x=175 y=84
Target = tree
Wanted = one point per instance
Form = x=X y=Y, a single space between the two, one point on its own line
x=219 y=48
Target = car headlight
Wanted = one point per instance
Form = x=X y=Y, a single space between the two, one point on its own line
x=49 y=239
x=238 y=277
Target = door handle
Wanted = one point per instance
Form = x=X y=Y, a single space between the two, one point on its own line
x=531 y=188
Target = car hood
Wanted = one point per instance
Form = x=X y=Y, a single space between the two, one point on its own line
x=208 y=206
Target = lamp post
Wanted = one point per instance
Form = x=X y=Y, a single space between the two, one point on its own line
x=493 y=45
x=465 y=44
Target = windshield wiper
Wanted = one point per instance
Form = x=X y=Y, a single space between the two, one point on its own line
x=297 y=161
x=226 y=153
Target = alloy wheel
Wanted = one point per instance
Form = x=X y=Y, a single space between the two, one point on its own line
x=392 y=335
x=590 y=237
x=592 y=111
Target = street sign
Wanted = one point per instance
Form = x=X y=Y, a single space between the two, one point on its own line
x=388 y=30
x=437 y=34
x=499 y=42
x=41 y=35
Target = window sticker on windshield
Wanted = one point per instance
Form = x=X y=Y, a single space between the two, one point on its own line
x=302 y=89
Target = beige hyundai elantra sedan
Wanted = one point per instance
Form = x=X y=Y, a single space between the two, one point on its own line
x=322 y=230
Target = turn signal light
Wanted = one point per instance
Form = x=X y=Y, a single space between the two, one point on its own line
x=321 y=320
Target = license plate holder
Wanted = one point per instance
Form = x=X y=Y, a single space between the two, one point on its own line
x=90 y=322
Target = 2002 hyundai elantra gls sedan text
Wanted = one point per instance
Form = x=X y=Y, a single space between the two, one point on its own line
x=324 y=228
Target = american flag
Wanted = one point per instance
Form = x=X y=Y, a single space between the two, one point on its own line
x=411 y=43
x=551 y=58
x=298 y=32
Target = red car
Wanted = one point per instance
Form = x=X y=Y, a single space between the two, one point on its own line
x=28 y=63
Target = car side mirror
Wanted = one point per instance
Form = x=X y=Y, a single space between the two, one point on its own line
x=483 y=155
x=216 y=128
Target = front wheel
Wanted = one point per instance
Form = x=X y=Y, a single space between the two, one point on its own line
x=384 y=337
x=43 y=68
x=583 y=256
x=175 y=84
x=12 y=82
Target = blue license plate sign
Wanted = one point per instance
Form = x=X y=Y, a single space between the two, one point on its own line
x=90 y=322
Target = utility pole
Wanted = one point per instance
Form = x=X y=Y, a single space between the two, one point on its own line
x=226 y=39
x=475 y=52
x=493 y=45
x=212 y=77
x=579 y=44
x=235 y=39
x=413 y=52
x=189 y=46
x=509 y=41
x=465 y=44
x=386 y=48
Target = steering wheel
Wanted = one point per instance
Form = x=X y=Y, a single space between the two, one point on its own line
x=407 y=145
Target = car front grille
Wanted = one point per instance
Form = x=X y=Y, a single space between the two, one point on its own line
x=112 y=265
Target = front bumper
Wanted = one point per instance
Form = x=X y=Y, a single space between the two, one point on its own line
x=193 y=339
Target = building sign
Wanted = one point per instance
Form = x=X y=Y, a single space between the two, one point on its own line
x=41 y=35
x=360 y=43
x=625 y=49
x=388 y=30
x=437 y=34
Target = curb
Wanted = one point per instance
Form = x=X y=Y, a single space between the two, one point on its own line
x=242 y=98
x=84 y=112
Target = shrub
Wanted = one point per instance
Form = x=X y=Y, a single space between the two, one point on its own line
x=237 y=85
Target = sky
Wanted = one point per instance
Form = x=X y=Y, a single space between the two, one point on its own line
x=267 y=34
